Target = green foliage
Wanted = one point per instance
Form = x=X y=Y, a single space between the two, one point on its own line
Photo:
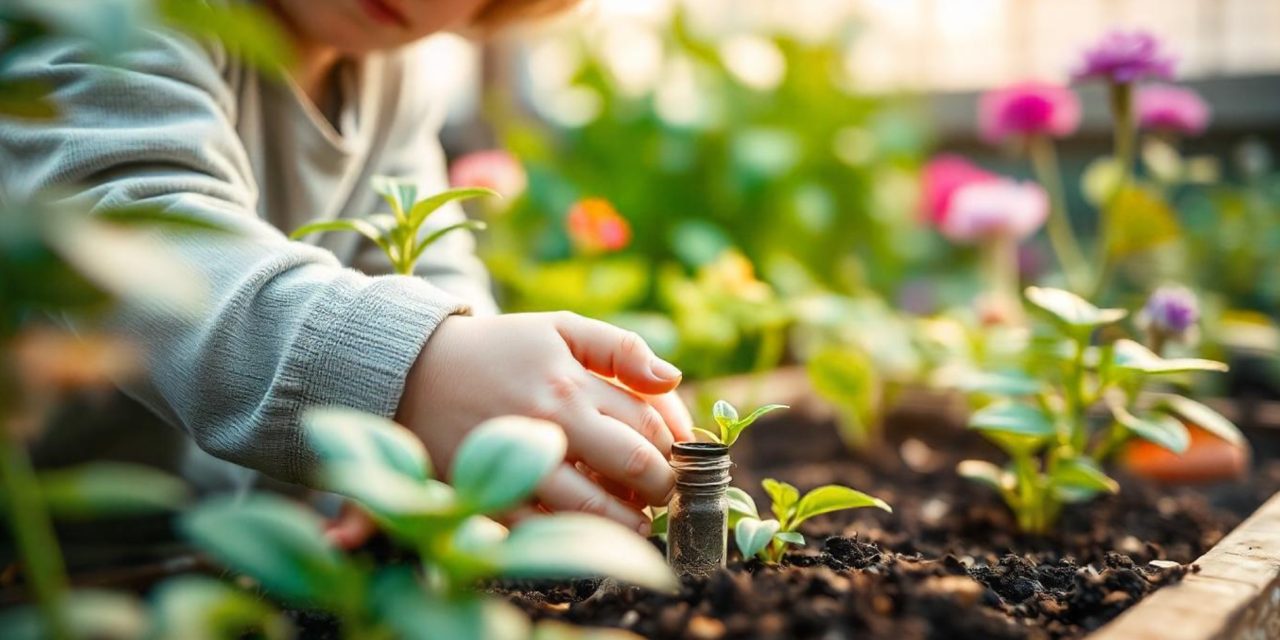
x=768 y=539
x=202 y=608
x=848 y=379
x=729 y=426
x=400 y=234
x=1040 y=416
x=109 y=489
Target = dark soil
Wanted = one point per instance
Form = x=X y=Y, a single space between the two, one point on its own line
x=945 y=564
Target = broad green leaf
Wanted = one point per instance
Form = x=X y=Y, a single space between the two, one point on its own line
x=1203 y=416
x=1070 y=309
x=571 y=545
x=347 y=436
x=501 y=461
x=741 y=503
x=110 y=489
x=702 y=435
x=363 y=227
x=725 y=416
x=1012 y=418
x=474 y=225
x=399 y=500
x=1133 y=356
x=1161 y=429
x=753 y=535
x=422 y=209
x=90 y=613
x=735 y=430
x=1082 y=474
x=195 y=607
x=276 y=542
x=986 y=473
x=414 y=613
x=782 y=496
x=832 y=497
x=790 y=537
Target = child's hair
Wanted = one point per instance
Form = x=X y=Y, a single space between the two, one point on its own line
x=500 y=13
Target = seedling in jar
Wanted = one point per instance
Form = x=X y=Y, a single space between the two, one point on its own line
x=768 y=539
x=729 y=426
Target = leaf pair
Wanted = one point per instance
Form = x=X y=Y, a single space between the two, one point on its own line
x=768 y=538
x=729 y=425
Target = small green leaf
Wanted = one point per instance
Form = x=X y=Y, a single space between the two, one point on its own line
x=783 y=497
x=201 y=608
x=502 y=461
x=741 y=425
x=474 y=225
x=1161 y=429
x=790 y=537
x=725 y=416
x=1070 y=309
x=986 y=473
x=363 y=227
x=1204 y=417
x=479 y=536
x=275 y=541
x=421 y=210
x=1082 y=474
x=1012 y=418
x=402 y=502
x=348 y=436
x=572 y=545
x=832 y=497
x=741 y=503
x=702 y=435
x=1133 y=356
x=754 y=535
x=658 y=527
x=404 y=605
x=110 y=489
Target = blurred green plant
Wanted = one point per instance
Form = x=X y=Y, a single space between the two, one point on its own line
x=1039 y=415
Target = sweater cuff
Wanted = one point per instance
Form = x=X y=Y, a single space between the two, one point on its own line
x=368 y=336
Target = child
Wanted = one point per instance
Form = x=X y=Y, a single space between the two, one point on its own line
x=185 y=127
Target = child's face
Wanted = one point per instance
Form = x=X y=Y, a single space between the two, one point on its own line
x=358 y=26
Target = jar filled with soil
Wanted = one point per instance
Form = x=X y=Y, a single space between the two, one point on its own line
x=698 y=516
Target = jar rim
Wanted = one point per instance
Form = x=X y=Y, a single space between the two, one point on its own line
x=699 y=449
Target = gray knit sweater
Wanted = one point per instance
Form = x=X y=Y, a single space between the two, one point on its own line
x=183 y=126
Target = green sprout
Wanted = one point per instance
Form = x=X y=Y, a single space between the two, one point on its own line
x=1041 y=416
x=729 y=425
x=384 y=468
x=768 y=539
x=399 y=233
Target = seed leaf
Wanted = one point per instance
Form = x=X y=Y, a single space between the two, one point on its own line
x=832 y=497
x=790 y=537
x=725 y=416
x=503 y=460
x=573 y=545
x=740 y=505
x=1203 y=416
x=754 y=535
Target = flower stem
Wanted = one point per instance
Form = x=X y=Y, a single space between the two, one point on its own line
x=1044 y=161
x=1124 y=132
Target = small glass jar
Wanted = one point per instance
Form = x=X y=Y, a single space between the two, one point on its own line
x=698 y=516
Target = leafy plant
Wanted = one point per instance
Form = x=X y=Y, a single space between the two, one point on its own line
x=385 y=469
x=1041 y=417
x=768 y=538
x=399 y=233
x=729 y=426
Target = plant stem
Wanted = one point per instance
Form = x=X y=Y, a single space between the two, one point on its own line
x=1076 y=397
x=1044 y=161
x=1121 y=100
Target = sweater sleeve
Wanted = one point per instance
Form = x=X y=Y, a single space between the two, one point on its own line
x=286 y=327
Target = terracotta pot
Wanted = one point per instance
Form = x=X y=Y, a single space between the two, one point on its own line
x=1207 y=459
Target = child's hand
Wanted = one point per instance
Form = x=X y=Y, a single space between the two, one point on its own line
x=541 y=365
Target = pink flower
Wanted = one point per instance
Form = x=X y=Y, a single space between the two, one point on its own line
x=493 y=169
x=1123 y=57
x=1029 y=108
x=995 y=208
x=596 y=227
x=1167 y=108
x=940 y=179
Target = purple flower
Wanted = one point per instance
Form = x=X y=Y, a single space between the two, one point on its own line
x=1123 y=57
x=993 y=209
x=1172 y=311
x=1028 y=108
x=1164 y=107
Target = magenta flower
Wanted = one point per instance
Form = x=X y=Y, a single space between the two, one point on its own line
x=1171 y=312
x=1123 y=57
x=1029 y=108
x=1173 y=109
x=993 y=209
x=940 y=179
x=493 y=169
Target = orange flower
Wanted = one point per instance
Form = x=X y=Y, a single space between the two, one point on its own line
x=596 y=227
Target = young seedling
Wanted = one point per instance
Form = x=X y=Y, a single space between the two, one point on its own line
x=1041 y=415
x=729 y=426
x=768 y=539
x=384 y=468
x=399 y=233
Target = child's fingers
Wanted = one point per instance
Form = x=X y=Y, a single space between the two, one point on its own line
x=675 y=414
x=567 y=490
x=618 y=452
x=622 y=492
x=631 y=410
x=352 y=528
x=616 y=353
